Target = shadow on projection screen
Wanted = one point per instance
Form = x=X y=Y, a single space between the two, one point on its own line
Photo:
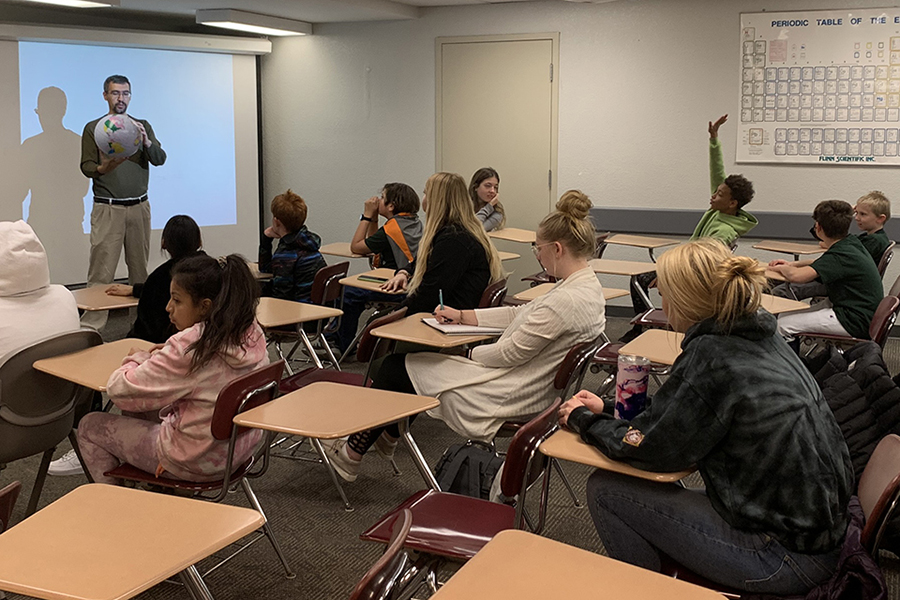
x=187 y=97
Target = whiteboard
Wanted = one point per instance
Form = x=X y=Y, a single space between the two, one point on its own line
x=820 y=87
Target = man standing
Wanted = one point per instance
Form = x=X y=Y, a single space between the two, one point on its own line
x=121 y=213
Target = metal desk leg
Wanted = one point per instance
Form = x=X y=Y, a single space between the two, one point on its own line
x=652 y=258
x=424 y=470
x=194 y=584
x=309 y=346
x=637 y=287
x=335 y=478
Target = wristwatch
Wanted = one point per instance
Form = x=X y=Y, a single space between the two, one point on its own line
x=365 y=218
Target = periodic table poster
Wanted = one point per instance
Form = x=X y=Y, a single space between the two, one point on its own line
x=820 y=87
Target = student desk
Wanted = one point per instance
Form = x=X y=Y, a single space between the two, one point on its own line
x=625 y=267
x=567 y=445
x=275 y=312
x=372 y=286
x=539 y=290
x=774 y=275
x=795 y=248
x=341 y=249
x=511 y=234
x=641 y=241
x=95 y=298
x=93 y=366
x=106 y=542
x=260 y=276
x=327 y=411
x=661 y=346
x=411 y=329
x=776 y=305
x=507 y=255
x=518 y=565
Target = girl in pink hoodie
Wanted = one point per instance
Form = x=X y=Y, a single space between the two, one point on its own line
x=168 y=395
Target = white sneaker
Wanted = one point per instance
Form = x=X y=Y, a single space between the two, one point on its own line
x=68 y=464
x=385 y=445
x=346 y=467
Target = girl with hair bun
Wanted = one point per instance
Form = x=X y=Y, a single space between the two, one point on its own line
x=741 y=408
x=512 y=378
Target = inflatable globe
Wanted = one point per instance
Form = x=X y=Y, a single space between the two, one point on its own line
x=117 y=136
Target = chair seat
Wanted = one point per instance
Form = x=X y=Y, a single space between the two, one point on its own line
x=445 y=524
x=314 y=374
x=829 y=337
x=654 y=318
x=538 y=278
x=132 y=473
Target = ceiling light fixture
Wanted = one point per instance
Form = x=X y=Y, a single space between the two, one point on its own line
x=252 y=22
x=80 y=3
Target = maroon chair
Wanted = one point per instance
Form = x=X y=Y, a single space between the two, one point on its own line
x=879 y=328
x=381 y=580
x=8 y=497
x=886 y=258
x=654 y=318
x=895 y=289
x=494 y=294
x=451 y=526
x=246 y=392
x=326 y=291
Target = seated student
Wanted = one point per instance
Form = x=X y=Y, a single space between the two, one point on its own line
x=514 y=376
x=395 y=245
x=168 y=395
x=484 y=189
x=741 y=407
x=725 y=220
x=851 y=279
x=871 y=212
x=181 y=239
x=296 y=259
x=455 y=256
x=31 y=309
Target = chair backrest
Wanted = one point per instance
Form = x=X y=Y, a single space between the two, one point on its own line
x=601 y=244
x=879 y=488
x=246 y=392
x=895 y=289
x=326 y=288
x=493 y=294
x=8 y=497
x=517 y=471
x=368 y=342
x=884 y=318
x=886 y=259
x=575 y=363
x=29 y=397
x=380 y=579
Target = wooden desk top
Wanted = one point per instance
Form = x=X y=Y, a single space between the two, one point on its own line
x=340 y=249
x=640 y=241
x=93 y=366
x=517 y=565
x=567 y=445
x=659 y=345
x=254 y=268
x=328 y=410
x=96 y=298
x=412 y=329
x=524 y=236
x=620 y=267
x=508 y=255
x=274 y=312
x=106 y=542
x=774 y=275
x=789 y=247
x=354 y=281
x=541 y=289
x=776 y=305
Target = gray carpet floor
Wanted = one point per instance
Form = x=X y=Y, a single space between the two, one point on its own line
x=320 y=538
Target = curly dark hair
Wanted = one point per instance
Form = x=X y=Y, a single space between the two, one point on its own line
x=741 y=189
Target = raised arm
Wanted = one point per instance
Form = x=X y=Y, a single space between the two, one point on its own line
x=717 y=173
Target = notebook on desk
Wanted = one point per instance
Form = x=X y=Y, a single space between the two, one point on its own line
x=457 y=329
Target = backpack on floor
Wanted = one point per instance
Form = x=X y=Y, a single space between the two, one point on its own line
x=468 y=469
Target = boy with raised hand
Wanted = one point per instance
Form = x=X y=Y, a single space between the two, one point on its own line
x=851 y=279
x=725 y=220
x=871 y=212
x=296 y=260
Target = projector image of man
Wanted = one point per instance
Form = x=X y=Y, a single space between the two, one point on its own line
x=121 y=212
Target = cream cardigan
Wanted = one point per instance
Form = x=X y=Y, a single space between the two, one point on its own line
x=514 y=376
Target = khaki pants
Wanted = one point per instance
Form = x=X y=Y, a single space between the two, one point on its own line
x=113 y=227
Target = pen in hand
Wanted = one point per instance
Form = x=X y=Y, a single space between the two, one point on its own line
x=441 y=298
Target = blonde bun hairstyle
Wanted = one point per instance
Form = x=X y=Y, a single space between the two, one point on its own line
x=569 y=224
x=702 y=280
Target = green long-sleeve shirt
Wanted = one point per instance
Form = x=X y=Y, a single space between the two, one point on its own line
x=131 y=178
x=716 y=224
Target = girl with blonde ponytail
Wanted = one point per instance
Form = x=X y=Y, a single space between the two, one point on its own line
x=740 y=407
x=512 y=378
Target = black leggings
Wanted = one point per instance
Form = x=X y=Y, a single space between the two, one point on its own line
x=391 y=376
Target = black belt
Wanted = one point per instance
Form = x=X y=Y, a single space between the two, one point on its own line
x=114 y=202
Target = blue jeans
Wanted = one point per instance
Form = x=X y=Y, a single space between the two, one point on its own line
x=636 y=519
x=355 y=300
